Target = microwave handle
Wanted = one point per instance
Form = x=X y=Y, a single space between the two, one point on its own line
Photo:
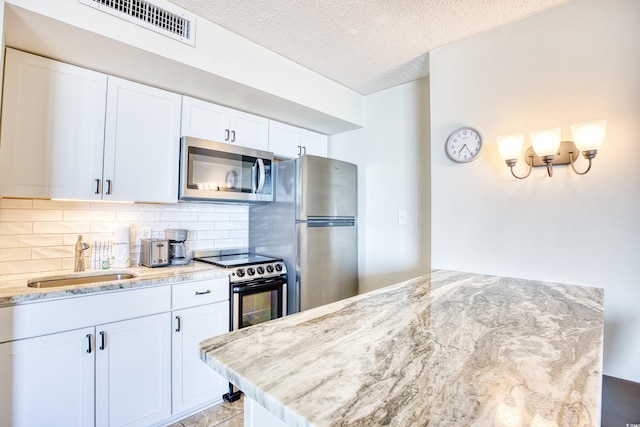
x=261 y=175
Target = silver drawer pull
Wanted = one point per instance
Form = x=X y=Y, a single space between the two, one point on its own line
x=208 y=291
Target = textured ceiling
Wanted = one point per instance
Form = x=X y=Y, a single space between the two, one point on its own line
x=366 y=45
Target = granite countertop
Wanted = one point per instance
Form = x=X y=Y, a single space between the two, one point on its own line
x=14 y=289
x=446 y=348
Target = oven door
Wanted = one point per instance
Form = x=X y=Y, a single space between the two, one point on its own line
x=215 y=171
x=256 y=301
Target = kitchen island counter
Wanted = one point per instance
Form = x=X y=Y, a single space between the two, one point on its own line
x=447 y=348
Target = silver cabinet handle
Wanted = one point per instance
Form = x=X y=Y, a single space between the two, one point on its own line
x=108 y=186
x=90 y=339
x=299 y=150
x=98 y=189
x=233 y=136
x=226 y=134
x=305 y=150
x=208 y=291
x=179 y=319
x=103 y=337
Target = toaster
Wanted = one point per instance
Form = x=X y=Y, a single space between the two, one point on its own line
x=154 y=252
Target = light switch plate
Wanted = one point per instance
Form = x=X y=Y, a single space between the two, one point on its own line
x=402 y=217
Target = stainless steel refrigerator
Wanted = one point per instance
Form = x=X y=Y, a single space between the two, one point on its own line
x=311 y=225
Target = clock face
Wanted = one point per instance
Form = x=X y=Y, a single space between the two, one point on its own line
x=464 y=145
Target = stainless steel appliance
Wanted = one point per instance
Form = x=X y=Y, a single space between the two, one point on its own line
x=154 y=252
x=258 y=290
x=177 y=248
x=214 y=171
x=312 y=226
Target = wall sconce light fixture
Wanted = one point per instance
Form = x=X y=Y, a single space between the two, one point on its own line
x=547 y=149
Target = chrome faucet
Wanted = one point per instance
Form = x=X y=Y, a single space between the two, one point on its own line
x=81 y=246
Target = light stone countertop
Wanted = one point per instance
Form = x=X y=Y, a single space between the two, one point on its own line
x=14 y=289
x=445 y=349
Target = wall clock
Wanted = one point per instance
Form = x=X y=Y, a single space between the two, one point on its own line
x=464 y=145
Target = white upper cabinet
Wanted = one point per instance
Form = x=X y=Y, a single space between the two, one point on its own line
x=206 y=120
x=142 y=143
x=288 y=141
x=72 y=133
x=52 y=133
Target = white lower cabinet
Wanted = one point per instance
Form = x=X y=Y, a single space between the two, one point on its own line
x=133 y=371
x=114 y=359
x=201 y=310
x=48 y=380
x=195 y=383
x=54 y=380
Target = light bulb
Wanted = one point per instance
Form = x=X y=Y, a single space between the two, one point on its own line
x=589 y=136
x=546 y=142
x=510 y=145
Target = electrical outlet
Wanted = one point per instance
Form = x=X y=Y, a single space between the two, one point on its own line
x=144 y=233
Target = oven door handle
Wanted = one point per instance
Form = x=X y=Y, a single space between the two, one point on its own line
x=258 y=287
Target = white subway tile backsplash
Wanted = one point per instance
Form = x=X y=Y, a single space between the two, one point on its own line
x=178 y=216
x=38 y=236
x=38 y=266
x=15 y=254
x=61 y=227
x=89 y=215
x=30 y=240
x=16 y=203
x=12 y=228
x=158 y=208
x=60 y=204
x=137 y=216
x=53 y=252
x=8 y=215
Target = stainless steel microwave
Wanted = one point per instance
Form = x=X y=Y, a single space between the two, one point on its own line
x=219 y=172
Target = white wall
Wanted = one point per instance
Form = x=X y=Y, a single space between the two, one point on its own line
x=577 y=62
x=392 y=154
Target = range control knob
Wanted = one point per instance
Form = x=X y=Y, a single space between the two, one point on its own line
x=240 y=272
x=269 y=268
x=278 y=267
x=260 y=270
x=251 y=271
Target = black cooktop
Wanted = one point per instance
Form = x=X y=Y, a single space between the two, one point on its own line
x=233 y=260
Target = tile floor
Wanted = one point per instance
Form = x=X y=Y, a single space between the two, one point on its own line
x=224 y=414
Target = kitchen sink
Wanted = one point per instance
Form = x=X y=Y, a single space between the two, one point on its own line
x=79 y=279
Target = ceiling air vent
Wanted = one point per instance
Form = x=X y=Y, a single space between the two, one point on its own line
x=172 y=23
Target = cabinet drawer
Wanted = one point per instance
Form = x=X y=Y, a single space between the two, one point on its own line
x=191 y=294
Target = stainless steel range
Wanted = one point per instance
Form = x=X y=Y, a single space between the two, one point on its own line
x=258 y=289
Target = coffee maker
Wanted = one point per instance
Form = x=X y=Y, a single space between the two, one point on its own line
x=177 y=248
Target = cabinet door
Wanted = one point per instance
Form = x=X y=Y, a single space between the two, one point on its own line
x=52 y=128
x=204 y=120
x=47 y=381
x=248 y=130
x=314 y=143
x=195 y=383
x=142 y=143
x=133 y=371
x=284 y=140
